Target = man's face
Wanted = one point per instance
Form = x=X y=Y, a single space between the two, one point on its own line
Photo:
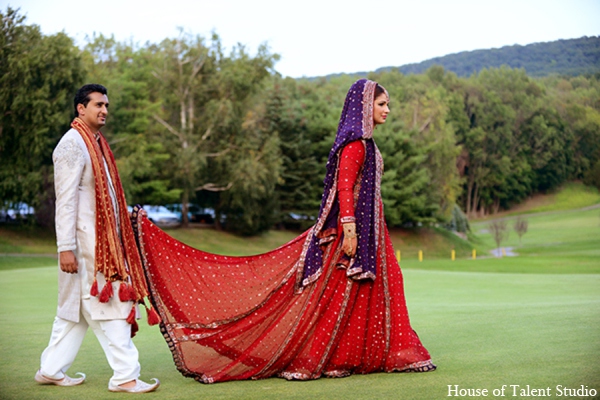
x=94 y=115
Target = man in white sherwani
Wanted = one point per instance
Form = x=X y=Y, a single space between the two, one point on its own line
x=76 y=234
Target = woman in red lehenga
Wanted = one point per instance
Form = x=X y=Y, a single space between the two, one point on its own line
x=330 y=302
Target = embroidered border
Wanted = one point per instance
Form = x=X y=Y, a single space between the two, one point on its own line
x=419 y=366
x=386 y=291
x=337 y=373
x=368 y=99
x=300 y=283
x=378 y=200
x=295 y=376
x=325 y=356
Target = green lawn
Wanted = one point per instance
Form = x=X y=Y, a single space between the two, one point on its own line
x=26 y=239
x=570 y=196
x=558 y=242
x=484 y=330
x=25 y=261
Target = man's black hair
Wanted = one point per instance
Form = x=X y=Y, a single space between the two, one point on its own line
x=83 y=94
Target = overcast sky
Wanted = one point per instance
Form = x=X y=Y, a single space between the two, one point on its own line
x=319 y=37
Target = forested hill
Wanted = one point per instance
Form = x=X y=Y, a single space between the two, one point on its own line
x=564 y=57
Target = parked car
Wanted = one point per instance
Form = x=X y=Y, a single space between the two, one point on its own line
x=298 y=221
x=196 y=213
x=161 y=216
x=11 y=212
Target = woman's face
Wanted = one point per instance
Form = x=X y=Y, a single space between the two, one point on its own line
x=380 y=109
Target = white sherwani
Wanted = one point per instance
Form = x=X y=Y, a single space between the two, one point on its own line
x=77 y=310
x=76 y=231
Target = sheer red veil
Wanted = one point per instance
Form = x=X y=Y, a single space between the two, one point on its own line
x=291 y=312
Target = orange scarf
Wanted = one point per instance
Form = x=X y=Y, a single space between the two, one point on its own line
x=112 y=250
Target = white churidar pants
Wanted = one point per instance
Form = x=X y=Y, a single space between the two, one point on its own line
x=114 y=337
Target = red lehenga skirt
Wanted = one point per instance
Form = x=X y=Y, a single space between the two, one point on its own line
x=231 y=318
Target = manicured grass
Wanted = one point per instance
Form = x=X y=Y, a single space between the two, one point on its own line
x=572 y=195
x=559 y=233
x=434 y=242
x=566 y=242
x=542 y=264
x=484 y=330
x=19 y=262
x=525 y=320
x=26 y=239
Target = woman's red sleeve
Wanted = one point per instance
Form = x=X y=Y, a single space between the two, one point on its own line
x=351 y=160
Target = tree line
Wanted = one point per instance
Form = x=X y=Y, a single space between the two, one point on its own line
x=191 y=121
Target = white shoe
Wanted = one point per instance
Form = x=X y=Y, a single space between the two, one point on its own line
x=66 y=381
x=140 y=387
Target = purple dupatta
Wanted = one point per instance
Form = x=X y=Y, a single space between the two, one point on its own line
x=356 y=123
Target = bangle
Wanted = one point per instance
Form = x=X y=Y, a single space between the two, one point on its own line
x=345 y=220
x=349 y=230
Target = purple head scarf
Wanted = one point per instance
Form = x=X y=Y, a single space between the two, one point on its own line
x=356 y=123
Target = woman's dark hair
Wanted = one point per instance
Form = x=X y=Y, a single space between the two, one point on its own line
x=83 y=94
x=379 y=90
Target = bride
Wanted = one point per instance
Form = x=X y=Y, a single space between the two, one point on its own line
x=328 y=303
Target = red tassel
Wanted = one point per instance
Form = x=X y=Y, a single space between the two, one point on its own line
x=107 y=292
x=153 y=317
x=94 y=289
x=131 y=316
x=134 y=328
x=131 y=293
x=124 y=292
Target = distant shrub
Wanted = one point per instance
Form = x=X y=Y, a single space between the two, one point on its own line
x=459 y=221
x=592 y=176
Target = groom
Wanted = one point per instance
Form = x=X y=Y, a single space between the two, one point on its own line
x=100 y=278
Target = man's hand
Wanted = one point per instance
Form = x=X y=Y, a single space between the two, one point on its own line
x=68 y=262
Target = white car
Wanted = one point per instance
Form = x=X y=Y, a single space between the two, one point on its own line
x=161 y=216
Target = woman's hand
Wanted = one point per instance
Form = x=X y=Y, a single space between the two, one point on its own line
x=350 y=241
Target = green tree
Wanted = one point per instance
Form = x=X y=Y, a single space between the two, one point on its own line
x=208 y=117
x=420 y=116
x=126 y=70
x=498 y=168
x=405 y=183
x=296 y=189
x=38 y=78
x=548 y=150
x=252 y=168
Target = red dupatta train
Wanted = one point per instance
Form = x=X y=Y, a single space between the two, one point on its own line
x=230 y=318
x=279 y=313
